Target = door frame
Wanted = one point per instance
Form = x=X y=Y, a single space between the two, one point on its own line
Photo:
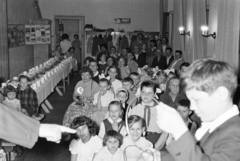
x=81 y=26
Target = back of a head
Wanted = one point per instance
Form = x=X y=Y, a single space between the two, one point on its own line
x=209 y=74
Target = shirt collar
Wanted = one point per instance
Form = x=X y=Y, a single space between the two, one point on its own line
x=211 y=126
x=111 y=121
x=102 y=63
x=223 y=118
x=95 y=74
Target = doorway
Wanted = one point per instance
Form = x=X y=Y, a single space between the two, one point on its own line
x=71 y=25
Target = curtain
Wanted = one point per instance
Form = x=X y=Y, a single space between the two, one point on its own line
x=4 y=70
x=178 y=40
x=227 y=41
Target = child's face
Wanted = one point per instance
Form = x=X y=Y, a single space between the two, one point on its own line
x=83 y=133
x=161 y=79
x=93 y=66
x=11 y=95
x=114 y=112
x=129 y=56
x=174 y=86
x=112 y=73
x=135 y=79
x=136 y=131
x=103 y=87
x=205 y=105
x=23 y=83
x=127 y=85
x=112 y=145
x=147 y=94
x=122 y=96
x=184 y=112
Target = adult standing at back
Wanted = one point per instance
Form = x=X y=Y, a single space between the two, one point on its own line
x=65 y=43
x=159 y=61
x=77 y=45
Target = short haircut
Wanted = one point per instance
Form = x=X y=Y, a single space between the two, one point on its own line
x=130 y=53
x=113 y=59
x=9 y=88
x=113 y=134
x=113 y=67
x=128 y=79
x=154 y=41
x=149 y=84
x=86 y=70
x=209 y=74
x=184 y=103
x=100 y=55
x=165 y=39
x=88 y=59
x=169 y=48
x=159 y=73
x=23 y=77
x=135 y=74
x=135 y=118
x=117 y=103
x=174 y=77
x=83 y=120
x=113 y=47
x=95 y=61
x=76 y=35
x=179 y=51
x=105 y=80
x=185 y=64
x=71 y=49
x=65 y=36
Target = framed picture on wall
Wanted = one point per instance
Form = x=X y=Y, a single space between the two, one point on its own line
x=16 y=35
x=37 y=34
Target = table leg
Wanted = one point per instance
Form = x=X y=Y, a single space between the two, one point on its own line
x=45 y=108
x=58 y=91
x=48 y=104
x=64 y=85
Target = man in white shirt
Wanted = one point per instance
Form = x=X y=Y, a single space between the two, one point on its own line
x=210 y=86
x=65 y=43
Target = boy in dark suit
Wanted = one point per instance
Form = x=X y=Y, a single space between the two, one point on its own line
x=210 y=86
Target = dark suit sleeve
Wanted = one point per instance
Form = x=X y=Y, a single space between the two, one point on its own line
x=225 y=145
x=18 y=128
x=154 y=64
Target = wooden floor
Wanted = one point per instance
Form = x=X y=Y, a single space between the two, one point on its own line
x=48 y=151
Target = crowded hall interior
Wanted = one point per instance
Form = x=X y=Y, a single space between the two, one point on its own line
x=119 y=80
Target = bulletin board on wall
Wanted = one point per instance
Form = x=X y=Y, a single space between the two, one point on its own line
x=16 y=35
x=37 y=34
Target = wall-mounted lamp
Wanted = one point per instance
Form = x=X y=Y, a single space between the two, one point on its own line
x=182 y=31
x=205 y=32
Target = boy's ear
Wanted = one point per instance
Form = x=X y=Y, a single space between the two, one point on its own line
x=222 y=93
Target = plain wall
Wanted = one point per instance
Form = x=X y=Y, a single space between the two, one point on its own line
x=144 y=14
x=20 y=58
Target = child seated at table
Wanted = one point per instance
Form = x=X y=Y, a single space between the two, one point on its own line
x=136 y=80
x=147 y=110
x=86 y=143
x=111 y=151
x=137 y=128
x=128 y=85
x=113 y=76
x=11 y=100
x=28 y=98
x=114 y=121
x=122 y=96
x=183 y=108
x=102 y=100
